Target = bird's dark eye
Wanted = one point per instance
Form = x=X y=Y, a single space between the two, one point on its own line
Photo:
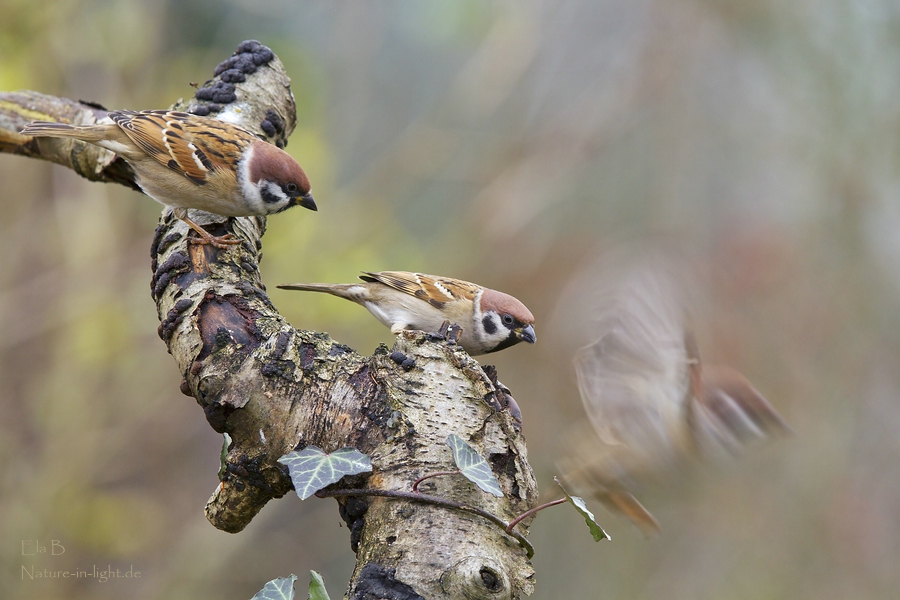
x=508 y=320
x=292 y=188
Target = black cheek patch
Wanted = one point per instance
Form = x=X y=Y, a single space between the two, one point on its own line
x=489 y=326
x=267 y=195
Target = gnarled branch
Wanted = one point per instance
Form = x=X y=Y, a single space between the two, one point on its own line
x=274 y=388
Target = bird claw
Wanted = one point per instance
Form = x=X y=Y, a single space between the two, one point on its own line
x=503 y=395
x=223 y=242
x=449 y=332
x=453 y=333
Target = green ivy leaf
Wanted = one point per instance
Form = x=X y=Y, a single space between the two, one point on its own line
x=312 y=469
x=582 y=508
x=277 y=589
x=317 y=587
x=473 y=466
x=226 y=441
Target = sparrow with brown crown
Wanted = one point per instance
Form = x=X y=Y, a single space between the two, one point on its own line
x=490 y=320
x=187 y=161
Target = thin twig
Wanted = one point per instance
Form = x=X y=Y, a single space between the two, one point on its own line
x=530 y=512
x=415 y=485
x=419 y=497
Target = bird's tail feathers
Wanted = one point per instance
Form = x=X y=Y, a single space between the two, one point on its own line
x=729 y=414
x=87 y=133
x=623 y=503
x=350 y=291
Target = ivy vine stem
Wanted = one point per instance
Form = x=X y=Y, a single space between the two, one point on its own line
x=415 y=485
x=530 y=512
x=419 y=497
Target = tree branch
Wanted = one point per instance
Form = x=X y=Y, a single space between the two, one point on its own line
x=17 y=109
x=438 y=501
x=274 y=388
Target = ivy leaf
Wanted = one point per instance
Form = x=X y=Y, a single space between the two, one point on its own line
x=582 y=508
x=223 y=466
x=317 y=587
x=473 y=466
x=277 y=589
x=312 y=469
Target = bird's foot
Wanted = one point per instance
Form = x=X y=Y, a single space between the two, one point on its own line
x=503 y=395
x=219 y=241
x=449 y=332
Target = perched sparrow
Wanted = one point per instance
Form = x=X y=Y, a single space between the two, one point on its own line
x=490 y=320
x=652 y=406
x=186 y=161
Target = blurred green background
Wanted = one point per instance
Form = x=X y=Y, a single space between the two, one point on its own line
x=506 y=143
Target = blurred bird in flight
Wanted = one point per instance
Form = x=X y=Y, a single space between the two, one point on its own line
x=653 y=407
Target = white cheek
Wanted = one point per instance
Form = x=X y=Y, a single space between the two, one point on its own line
x=276 y=191
x=499 y=331
x=250 y=191
x=502 y=333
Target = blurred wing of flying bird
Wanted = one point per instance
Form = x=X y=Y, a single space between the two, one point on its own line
x=652 y=406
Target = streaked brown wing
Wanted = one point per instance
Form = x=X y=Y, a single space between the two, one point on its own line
x=193 y=146
x=458 y=288
x=144 y=129
x=221 y=142
x=437 y=291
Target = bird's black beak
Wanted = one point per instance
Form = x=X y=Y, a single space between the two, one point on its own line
x=526 y=334
x=306 y=202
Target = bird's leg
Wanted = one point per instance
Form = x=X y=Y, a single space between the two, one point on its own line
x=449 y=332
x=444 y=330
x=453 y=333
x=222 y=241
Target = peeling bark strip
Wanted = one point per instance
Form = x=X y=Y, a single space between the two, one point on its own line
x=274 y=388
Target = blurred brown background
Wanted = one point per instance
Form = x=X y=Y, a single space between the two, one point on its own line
x=506 y=143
